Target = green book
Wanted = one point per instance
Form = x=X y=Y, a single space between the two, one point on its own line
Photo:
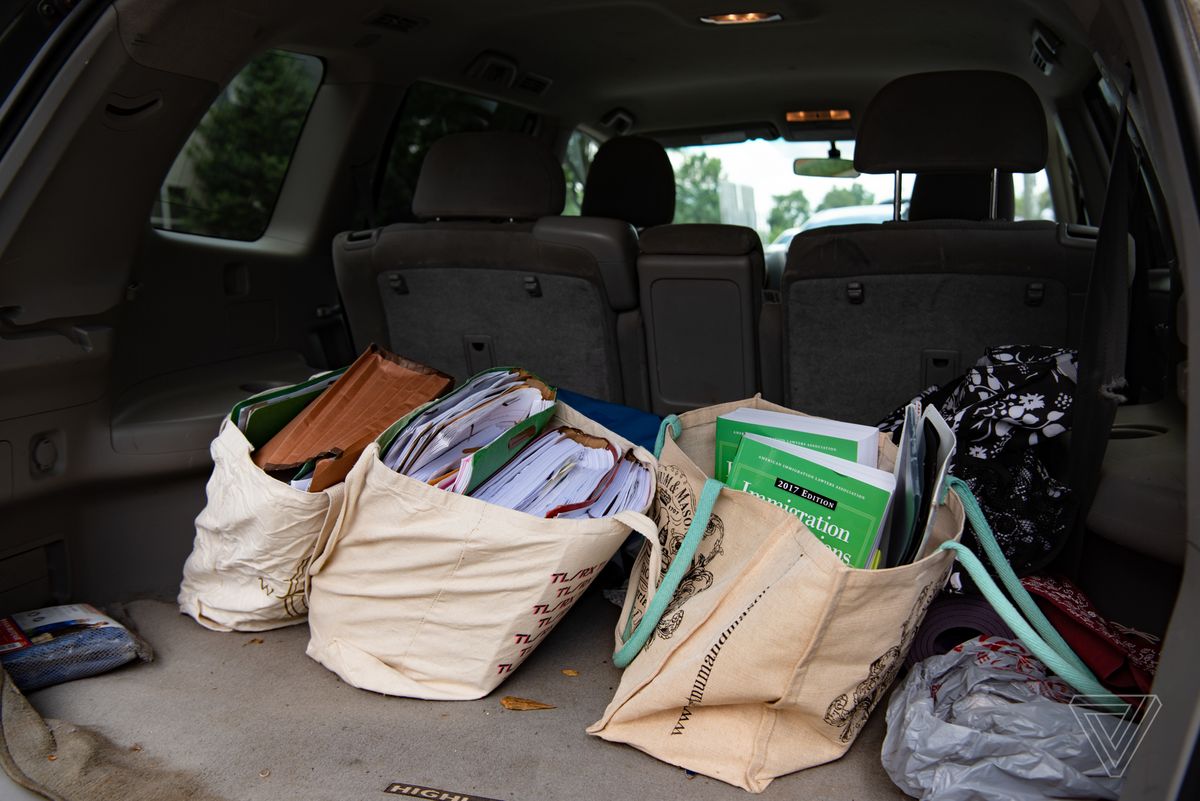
x=844 y=504
x=851 y=441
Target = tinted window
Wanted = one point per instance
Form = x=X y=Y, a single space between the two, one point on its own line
x=227 y=178
x=428 y=113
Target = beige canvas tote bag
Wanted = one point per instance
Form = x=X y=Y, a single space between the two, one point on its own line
x=764 y=654
x=430 y=594
x=254 y=541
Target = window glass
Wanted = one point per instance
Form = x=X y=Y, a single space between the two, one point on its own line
x=753 y=184
x=428 y=113
x=1031 y=193
x=227 y=178
x=581 y=149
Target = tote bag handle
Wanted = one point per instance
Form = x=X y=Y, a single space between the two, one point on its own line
x=670 y=422
x=1033 y=629
x=657 y=604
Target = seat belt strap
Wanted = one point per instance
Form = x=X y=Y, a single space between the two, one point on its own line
x=1104 y=336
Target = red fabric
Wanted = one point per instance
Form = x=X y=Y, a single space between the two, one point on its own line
x=1124 y=659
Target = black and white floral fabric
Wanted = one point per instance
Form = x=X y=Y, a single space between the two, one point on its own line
x=1008 y=413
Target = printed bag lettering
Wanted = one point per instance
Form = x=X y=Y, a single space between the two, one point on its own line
x=770 y=654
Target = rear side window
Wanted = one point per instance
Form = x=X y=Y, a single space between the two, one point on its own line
x=581 y=149
x=428 y=113
x=226 y=180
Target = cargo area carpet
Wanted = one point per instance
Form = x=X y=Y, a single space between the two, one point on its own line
x=249 y=717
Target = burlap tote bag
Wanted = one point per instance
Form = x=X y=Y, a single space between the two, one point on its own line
x=759 y=653
x=254 y=541
x=426 y=593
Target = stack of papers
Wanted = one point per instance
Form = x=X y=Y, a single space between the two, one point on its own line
x=630 y=488
x=568 y=473
x=458 y=442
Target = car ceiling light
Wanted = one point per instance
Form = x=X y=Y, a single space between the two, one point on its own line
x=744 y=18
x=820 y=115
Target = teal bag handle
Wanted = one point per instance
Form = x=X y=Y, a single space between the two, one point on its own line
x=680 y=564
x=1037 y=633
x=671 y=421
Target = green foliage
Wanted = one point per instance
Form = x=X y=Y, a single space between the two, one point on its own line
x=697 y=199
x=855 y=195
x=1031 y=203
x=240 y=151
x=581 y=149
x=789 y=211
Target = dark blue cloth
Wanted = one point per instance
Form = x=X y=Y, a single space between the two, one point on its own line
x=638 y=427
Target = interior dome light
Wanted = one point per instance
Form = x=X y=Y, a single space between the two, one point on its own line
x=820 y=115
x=744 y=18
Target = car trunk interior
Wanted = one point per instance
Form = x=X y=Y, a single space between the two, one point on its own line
x=123 y=345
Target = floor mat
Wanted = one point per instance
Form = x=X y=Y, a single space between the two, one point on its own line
x=249 y=716
x=65 y=762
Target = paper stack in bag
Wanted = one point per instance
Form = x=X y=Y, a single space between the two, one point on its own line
x=458 y=441
x=469 y=530
x=568 y=473
x=486 y=440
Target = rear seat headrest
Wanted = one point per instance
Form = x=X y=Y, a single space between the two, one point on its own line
x=631 y=179
x=487 y=176
x=961 y=121
x=699 y=239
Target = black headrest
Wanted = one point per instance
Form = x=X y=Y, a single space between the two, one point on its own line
x=631 y=179
x=960 y=196
x=488 y=176
x=964 y=121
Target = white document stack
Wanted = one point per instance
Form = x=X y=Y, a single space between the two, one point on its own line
x=567 y=473
x=437 y=444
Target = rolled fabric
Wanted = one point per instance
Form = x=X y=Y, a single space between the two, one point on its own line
x=952 y=620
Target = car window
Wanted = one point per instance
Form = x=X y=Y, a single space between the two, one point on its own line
x=427 y=113
x=581 y=149
x=1031 y=193
x=227 y=177
x=753 y=184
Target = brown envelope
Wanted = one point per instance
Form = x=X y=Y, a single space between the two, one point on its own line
x=374 y=392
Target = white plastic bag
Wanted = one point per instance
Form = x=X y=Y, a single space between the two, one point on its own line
x=987 y=721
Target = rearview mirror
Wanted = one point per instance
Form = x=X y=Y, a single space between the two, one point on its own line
x=825 y=168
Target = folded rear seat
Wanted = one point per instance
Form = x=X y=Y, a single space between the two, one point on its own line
x=701 y=288
x=493 y=277
x=872 y=314
x=700 y=285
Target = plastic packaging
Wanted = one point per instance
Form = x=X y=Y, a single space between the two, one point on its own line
x=63 y=643
x=987 y=721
